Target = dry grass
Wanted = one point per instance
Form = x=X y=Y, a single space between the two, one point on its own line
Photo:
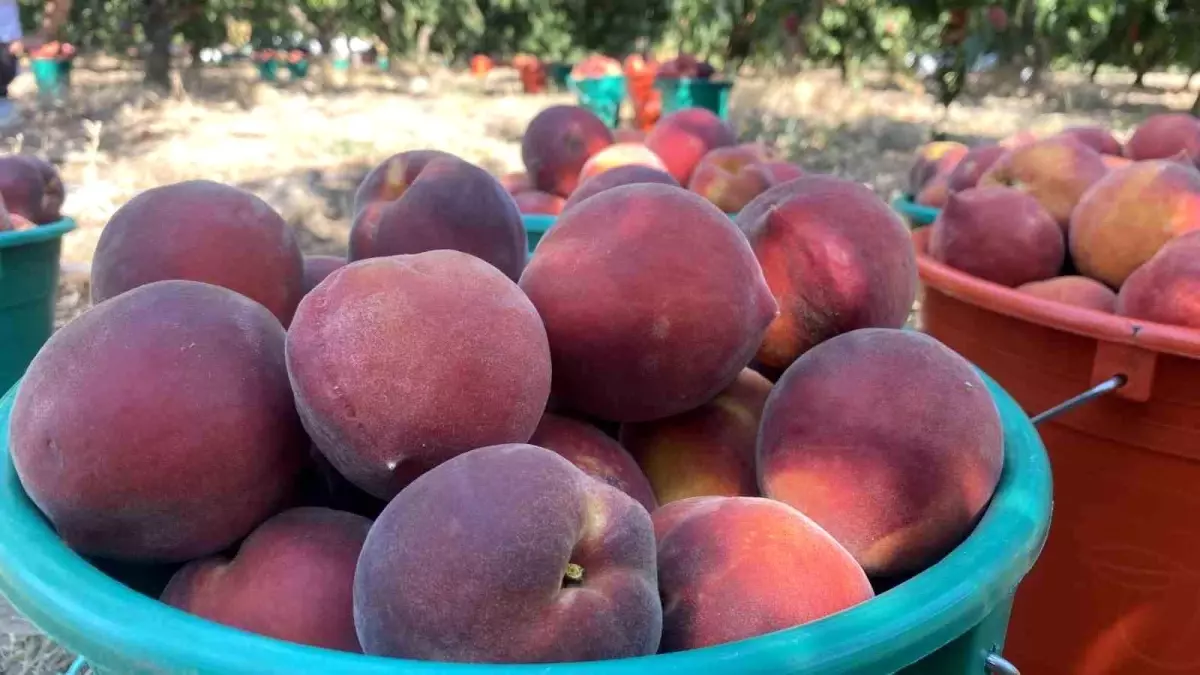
x=305 y=146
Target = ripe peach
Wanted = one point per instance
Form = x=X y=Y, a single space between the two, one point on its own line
x=1167 y=288
x=1113 y=162
x=422 y=341
x=557 y=144
x=973 y=165
x=509 y=554
x=594 y=453
x=159 y=425
x=887 y=439
x=620 y=154
x=682 y=138
x=1055 y=171
x=537 y=202
x=292 y=579
x=777 y=173
x=938 y=157
x=23 y=187
x=1097 y=138
x=732 y=568
x=516 y=182
x=622 y=175
x=414 y=202
x=724 y=178
x=53 y=191
x=936 y=192
x=201 y=231
x=629 y=136
x=1128 y=215
x=835 y=257
x=1164 y=135
x=999 y=234
x=317 y=267
x=641 y=327
x=706 y=451
x=1074 y=290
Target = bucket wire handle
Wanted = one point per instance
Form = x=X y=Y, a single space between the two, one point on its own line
x=998 y=665
x=1111 y=384
x=77 y=667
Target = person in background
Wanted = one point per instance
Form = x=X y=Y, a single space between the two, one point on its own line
x=14 y=43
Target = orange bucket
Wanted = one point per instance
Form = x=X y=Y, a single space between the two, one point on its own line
x=480 y=65
x=532 y=73
x=1117 y=589
x=647 y=101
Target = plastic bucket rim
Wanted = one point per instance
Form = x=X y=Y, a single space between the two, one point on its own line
x=918 y=213
x=67 y=591
x=1081 y=321
x=37 y=234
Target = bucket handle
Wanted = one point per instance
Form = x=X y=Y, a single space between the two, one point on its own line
x=998 y=665
x=1111 y=384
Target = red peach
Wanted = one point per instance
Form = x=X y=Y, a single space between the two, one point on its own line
x=536 y=202
x=1074 y=290
x=619 y=154
x=1167 y=288
x=1056 y=172
x=622 y=175
x=557 y=144
x=1164 y=135
x=594 y=453
x=682 y=138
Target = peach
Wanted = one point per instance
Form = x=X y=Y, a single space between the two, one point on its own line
x=622 y=175
x=620 y=154
x=1097 y=138
x=1112 y=162
x=437 y=353
x=1128 y=215
x=706 y=451
x=777 y=173
x=1167 y=288
x=509 y=554
x=1074 y=290
x=888 y=440
x=317 y=267
x=414 y=202
x=684 y=137
x=292 y=579
x=201 y=231
x=972 y=166
x=557 y=144
x=1165 y=135
x=936 y=192
x=1055 y=171
x=536 y=202
x=1019 y=139
x=835 y=257
x=159 y=425
x=732 y=568
x=594 y=453
x=641 y=327
x=938 y=157
x=53 y=191
x=23 y=187
x=999 y=234
x=629 y=136
x=516 y=182
x=724 y=178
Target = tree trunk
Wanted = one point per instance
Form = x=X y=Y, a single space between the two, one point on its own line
x=159 y=31
x=1095 y=70
x=1140 y=76
x=1196 y=105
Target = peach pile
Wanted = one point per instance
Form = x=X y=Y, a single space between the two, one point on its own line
x=1119 y=209
x=431 y=449
x=31 y=193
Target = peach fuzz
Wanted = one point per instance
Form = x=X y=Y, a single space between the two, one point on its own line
x=413 y=202
x=159 y=425
x=201 y=231
x=684 y=137
x=594 y=453
x=732 y=568
x=640 y=327
x=620 y=154
x=438 y=353
x=1055 y=171
x=835 y=257
x=292 y=579
x=510 y=555
x=622 y=175
x=1074 y=290
x=1167 y=288
x=707 y=451
x=1130 y=214
x=888 y=440
x=558 y=143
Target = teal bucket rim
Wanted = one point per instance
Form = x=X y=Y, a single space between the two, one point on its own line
x=97 y=616
x=917 y=213
x=538 y=222
x=37 y=234
x=686 y=81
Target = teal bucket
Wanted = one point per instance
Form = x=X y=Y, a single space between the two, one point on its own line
x=341 y=64
x=947 y=620
x=916 y=214
x=299 y=69
x=681 y=92
x=536 y=226
x=268 y=70
x=601 y=95
x=28 y=289
x=50 y=76
x=558 y=72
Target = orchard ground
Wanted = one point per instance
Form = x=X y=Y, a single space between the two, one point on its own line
x=304 y=147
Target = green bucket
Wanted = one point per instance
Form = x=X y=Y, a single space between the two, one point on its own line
x=299 y=69
x=944 y=621
x=268 y=70
x=679 y=93
x=558 y=72
x=341 y=64
x=385 y=63
x=601 y=95
x=51 y=76
x=28 y=288
x=536 y=226
x=916 y=214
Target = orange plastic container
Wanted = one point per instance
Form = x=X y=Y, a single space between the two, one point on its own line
x=1117 y=589
x=647 y=101
x=481 y=64
x=532 y=73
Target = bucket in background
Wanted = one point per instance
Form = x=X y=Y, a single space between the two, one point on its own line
x=1116 y=590
x=28 y=290
x=682 y=92
x=536 y=226
x=50 y=76
x=916 y=214
x=601 y=95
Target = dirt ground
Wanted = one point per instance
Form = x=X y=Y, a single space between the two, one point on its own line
x=304 y=147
